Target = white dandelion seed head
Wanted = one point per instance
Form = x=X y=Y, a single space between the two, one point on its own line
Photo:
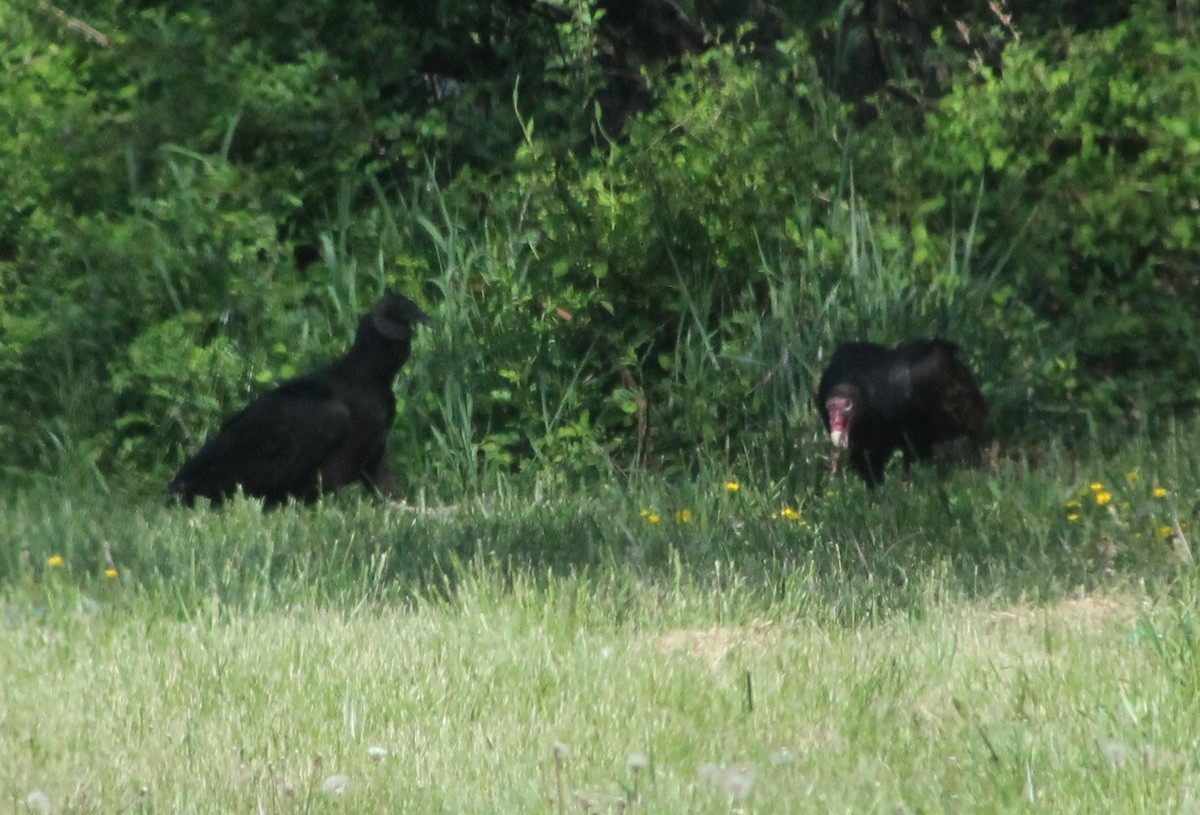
x=39 y=802
x=781 y=756
x=377 y=753
x=735 y=782
x=335 y=784
x=1116 y=752
x=738 y=782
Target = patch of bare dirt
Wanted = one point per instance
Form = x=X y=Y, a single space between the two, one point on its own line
x=1085 y=611
x=712 y=645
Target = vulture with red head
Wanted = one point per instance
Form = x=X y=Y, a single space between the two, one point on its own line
x=876 y=400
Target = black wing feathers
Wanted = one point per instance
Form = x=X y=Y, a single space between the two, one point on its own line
x=271 y=449
x=908 y=398
x=315 y=433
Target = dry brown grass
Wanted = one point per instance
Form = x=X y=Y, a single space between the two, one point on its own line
x=712 y=645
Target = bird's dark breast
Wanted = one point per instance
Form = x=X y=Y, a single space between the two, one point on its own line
x=362 y=446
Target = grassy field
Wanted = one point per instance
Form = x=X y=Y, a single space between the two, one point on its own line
x=1018 y=637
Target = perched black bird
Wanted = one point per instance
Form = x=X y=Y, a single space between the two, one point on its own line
x=875 y=400
x=315 y=433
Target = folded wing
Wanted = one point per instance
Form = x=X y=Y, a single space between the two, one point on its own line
x=273 y=448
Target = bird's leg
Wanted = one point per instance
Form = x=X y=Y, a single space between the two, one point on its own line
x=379 y=479
x=871 y=467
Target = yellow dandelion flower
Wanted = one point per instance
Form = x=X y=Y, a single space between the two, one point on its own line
x=829 y=493
x=1132 y=475
x=1160 y=492
x=1103 y=497
x=652 y=517
x=1097 y=486
x=683 y=516
x=732 y=486
x=110 y=573
x=1072 y=504
x=1165 y=531
x=1074 y=516
x=789 y=513
x=55 y=561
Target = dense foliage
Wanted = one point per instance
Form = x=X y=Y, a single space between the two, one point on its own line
x=641 y=226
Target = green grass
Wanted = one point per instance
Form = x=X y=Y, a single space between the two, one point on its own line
x=952 y=646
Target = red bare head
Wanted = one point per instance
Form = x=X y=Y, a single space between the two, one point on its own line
x=841 y=406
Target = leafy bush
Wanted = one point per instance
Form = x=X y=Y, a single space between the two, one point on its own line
x=199 y=202
x=675 y=293
x=1088 y=153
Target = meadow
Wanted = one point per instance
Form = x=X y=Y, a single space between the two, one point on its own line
x=622 y=579
x=1017 y=636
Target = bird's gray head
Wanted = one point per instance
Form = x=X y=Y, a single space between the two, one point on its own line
x=395 y=315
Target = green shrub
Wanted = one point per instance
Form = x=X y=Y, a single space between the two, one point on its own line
x=199 y=202
x=1088 y=152
x=674 y=295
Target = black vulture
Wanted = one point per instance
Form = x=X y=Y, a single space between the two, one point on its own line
x=316 y=433
x=875 y=400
